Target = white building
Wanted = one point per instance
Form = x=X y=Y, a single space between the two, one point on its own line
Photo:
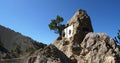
x=68 y=31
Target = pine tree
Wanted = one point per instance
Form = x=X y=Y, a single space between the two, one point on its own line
x=56 y=25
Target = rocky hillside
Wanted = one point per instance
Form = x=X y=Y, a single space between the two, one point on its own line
x=14 y=44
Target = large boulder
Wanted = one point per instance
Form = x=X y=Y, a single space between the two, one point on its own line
x=98 y=48
x=49 y=54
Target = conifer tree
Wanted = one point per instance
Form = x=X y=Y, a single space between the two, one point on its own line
x=56 y=25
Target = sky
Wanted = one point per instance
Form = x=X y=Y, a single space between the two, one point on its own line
x=31 y=17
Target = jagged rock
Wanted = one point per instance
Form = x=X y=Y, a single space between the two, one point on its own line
x=98 y=48
x=49 y=54
x=78 y=26
x=95 y=48
x=81 y=45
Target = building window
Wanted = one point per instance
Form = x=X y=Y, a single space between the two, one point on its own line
x=69 y=32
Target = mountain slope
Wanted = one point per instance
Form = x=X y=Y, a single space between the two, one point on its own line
x=16 y=44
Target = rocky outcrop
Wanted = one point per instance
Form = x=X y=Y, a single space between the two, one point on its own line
x=84 y=46
x=95 y=48
x=98 y=48
x=49 y=54
x=78 y=26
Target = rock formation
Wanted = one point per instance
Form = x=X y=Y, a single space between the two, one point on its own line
x=97 y=48
x=78 y=27
x=84 y=46
x=49 y=54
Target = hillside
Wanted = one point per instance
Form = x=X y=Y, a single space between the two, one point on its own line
x=14 y=44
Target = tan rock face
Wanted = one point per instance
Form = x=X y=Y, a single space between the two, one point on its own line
x=84 y=46
x=81 y=26
x=49 y=54
x=77 y=28
x=98 y=48
x=95 y=48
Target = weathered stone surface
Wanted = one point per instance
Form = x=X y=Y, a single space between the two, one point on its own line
x=90 y=48
x=49 y=54
x=95 y=48
x=99 y=48
x=81 y=26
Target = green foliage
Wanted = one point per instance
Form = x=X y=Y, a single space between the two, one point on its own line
x=117 y=38
x=30 y=50
x=38 y=45
x=56 y=25
x=15 y=50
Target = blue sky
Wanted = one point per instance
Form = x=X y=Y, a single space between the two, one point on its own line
x=31 y=17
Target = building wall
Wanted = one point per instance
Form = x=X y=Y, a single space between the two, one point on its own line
x=68 y=31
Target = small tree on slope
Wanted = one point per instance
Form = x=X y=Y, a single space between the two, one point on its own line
x=56 y=25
